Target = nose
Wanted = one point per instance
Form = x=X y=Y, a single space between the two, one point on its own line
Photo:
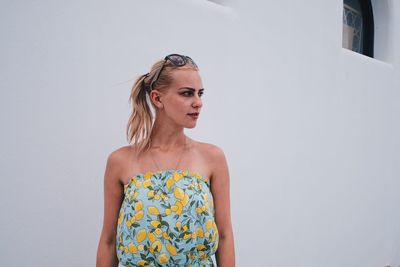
x=197 y=102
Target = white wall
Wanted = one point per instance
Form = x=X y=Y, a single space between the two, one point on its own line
x=310 y=129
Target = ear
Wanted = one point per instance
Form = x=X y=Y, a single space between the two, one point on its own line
x=155 y=97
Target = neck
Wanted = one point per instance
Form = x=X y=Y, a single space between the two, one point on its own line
x=163 y=141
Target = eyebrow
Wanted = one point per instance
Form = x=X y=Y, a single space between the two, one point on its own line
x=190 y=88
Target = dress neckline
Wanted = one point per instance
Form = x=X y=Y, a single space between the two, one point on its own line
x=167 y=170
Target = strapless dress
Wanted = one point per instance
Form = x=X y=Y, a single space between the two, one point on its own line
x=167 y=218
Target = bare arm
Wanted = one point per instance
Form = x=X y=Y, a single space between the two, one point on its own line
x=113 y=195
x=220 y=184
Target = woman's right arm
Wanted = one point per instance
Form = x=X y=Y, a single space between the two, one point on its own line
x=113 y=196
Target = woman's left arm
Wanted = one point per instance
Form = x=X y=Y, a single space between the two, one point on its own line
x=225 y=255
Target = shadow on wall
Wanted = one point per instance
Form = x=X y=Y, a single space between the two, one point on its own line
x=221 y=2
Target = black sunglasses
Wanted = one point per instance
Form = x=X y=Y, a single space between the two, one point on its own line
x=177 y=60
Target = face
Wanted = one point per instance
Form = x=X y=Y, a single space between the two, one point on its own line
x=182 y=97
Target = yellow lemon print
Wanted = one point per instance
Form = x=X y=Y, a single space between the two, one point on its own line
x=178 y=224
x=156 y=245
x=180 y=207
x=141 y=235
x=155 y=224
x=200 y=246
x=138 y=183
x=199 y=232
x=177 y=176
x=170 y=183
x=126 y=250
x=138 y=205
x=121 y=217
x=166 y=236
x=178 y=193
x=146 y=183
x=186 y=236
x=167 y=211
x=174 y=208
x=171 y=249
x=185 y=228
x=199 y=210
x=129 y=224
x=150 y=193
x=163 y=258
x=139 y=215
x=153 y=210
x=202 y=254
x=152 y=237
x=158 y=231
x=141 y=263
x=157 y=197
x=209 y=224
x=132 y=248
x=214 y=236
x=148 y=175
x=140 y=247
x=185 y=199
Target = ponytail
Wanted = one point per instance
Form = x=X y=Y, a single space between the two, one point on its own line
x=141 y=120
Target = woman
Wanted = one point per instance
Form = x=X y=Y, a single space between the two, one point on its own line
x=166 y=196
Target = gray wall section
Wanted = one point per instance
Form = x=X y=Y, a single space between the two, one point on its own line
x=310 y=130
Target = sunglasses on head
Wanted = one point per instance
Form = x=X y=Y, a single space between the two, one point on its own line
x=177 y=60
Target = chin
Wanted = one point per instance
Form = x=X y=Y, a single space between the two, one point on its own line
x=190 y=126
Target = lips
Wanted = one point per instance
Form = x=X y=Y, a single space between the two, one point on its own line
x=193 y=115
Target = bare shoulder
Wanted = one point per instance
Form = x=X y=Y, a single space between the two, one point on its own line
x=215 y=158
x=118 y=155
x=213 y=151
x=117 y=160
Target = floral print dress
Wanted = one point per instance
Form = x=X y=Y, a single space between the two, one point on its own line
x=167 y=219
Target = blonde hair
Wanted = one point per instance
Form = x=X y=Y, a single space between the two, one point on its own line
x=141 y=120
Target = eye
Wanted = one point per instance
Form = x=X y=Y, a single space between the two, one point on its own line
x=187 y=93
x=190 y=93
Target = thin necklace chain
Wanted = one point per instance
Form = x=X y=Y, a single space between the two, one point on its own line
x=158 y=168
